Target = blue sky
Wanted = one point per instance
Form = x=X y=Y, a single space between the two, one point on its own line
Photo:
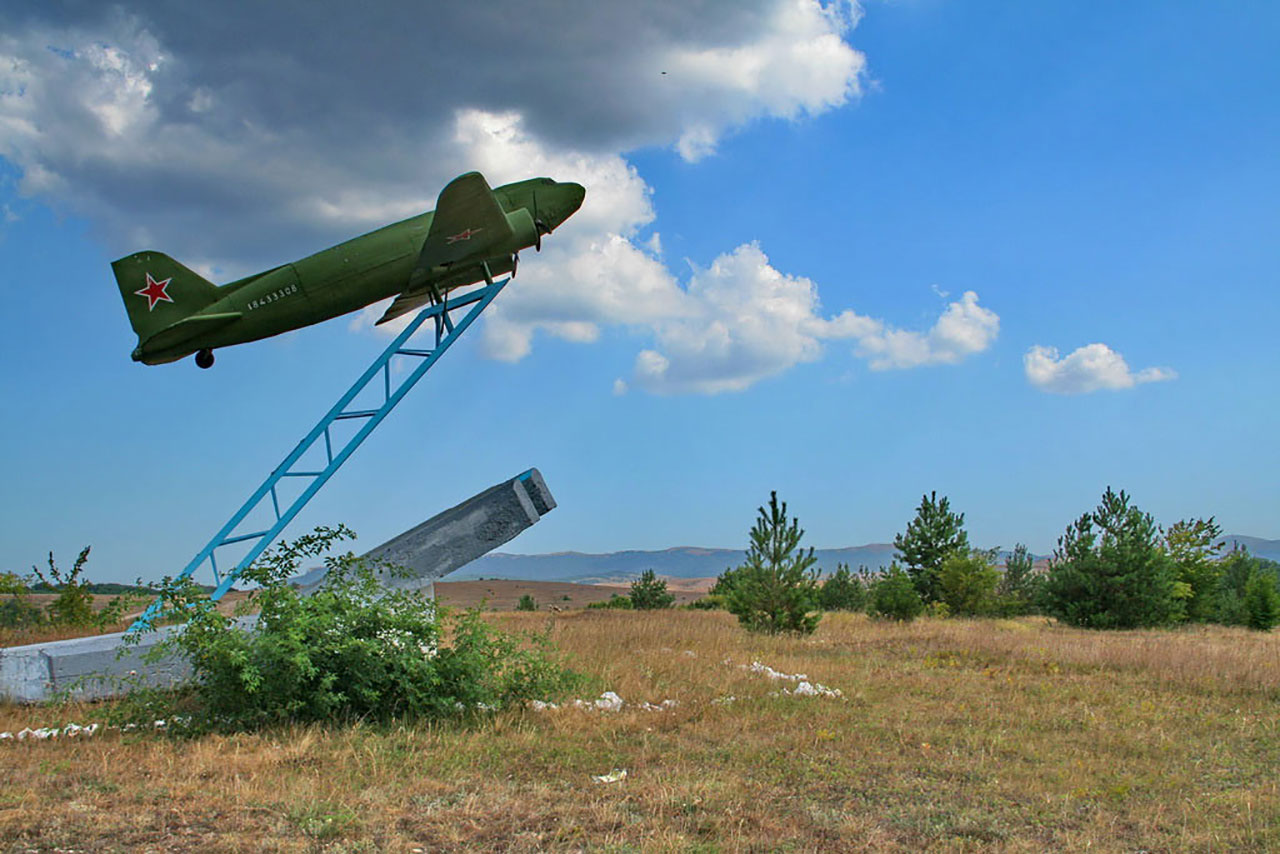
x=826 y=186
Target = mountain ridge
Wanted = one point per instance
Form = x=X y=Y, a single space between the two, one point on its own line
x=703 y=561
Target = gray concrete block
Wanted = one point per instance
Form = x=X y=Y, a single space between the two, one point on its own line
x=92 y=668
x=457 y=536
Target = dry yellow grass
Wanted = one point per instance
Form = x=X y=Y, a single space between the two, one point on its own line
x=952 y=735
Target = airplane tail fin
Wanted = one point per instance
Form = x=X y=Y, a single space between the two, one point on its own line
x=158 y=291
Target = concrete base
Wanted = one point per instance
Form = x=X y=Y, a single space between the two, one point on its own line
x=88 y=668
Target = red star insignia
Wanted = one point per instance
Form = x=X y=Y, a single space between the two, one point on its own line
x=155 y=291
x=463 y=235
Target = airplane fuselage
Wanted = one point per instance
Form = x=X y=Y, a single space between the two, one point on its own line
x=342 y=279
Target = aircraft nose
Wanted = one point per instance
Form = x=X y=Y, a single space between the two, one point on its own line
x=569 y=198
x=573 y=196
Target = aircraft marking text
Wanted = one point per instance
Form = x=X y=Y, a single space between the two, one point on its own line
x=271 y=297
x=155 y=291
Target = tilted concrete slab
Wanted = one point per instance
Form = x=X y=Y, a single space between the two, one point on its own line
x=88 y=668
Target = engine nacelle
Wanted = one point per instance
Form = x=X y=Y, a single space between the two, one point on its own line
x=523 y=231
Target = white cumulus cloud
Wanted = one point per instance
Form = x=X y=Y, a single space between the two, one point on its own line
x=1093 y=367
x=963 y=329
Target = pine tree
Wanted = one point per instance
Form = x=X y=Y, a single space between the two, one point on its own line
x=776 y=589
x=649 y=592
x=1261 y=602
x=1018 y=584
x=933 y=534
x=1110 y=570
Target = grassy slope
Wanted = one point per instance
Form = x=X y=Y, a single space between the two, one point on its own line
x=953 y=735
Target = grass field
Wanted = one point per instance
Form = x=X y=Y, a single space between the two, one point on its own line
x=951 y=735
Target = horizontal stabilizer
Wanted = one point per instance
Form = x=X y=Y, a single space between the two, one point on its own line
x=467 y=220
x=188 y=327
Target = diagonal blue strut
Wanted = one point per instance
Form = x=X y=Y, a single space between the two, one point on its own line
x=447 y=331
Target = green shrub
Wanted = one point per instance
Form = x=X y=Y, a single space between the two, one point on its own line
x=649 y=592
x=776 y=589
x=843 y=591
x=893 y=596
x=351 y=650
x=527 y=603
x=73 y=605
x=710 y=602
x=967 y=583
x=616 y=601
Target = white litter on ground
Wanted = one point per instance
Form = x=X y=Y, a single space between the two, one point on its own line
x=608 y=702
x=612 y=777
x=766 y=670
x=804 y=689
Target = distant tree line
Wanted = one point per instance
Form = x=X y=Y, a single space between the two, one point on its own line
x=1113 y=568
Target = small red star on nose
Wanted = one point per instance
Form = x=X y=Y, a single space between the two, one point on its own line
x=155 y=291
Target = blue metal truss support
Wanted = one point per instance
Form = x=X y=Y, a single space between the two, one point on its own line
x=446 y=332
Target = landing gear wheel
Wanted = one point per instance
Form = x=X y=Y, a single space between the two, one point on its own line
x=204 y=358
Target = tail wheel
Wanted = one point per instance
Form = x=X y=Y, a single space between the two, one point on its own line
x=204 y=358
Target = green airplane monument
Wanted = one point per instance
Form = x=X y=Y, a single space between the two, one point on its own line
x=474 y=234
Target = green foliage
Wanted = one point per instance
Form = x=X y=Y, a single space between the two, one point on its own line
x=1110 y=570
x=710 y=602
x=353 y=649
x=967 y=583
x=844 y=591
x=1234 y=573
x=724 y=582
x=1261 y=602
x=614 y=602
x=17 y=611
x=649 y=592
x=73 y=605
x=1194 y=548
x=1019 y=586
x=527 y=603
x=1245 y=587
x=893 y=596
x=930 y=537
x=776 y=589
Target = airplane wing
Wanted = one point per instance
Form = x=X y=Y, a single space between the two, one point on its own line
x=404 y=304
x=468 y=219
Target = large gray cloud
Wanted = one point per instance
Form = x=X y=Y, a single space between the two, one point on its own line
x=237 y=135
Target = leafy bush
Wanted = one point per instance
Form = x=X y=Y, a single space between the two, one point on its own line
x=73 y=605
x=931 y=536
x=649 y=592
x=844 y=591
x=526 y=603
x=351 y=650
x=1110 y=570
x=893 y=596
x=1193 y=547
x=776 y=589
x=616 y=601
x=710 y=602
x=967 y=583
